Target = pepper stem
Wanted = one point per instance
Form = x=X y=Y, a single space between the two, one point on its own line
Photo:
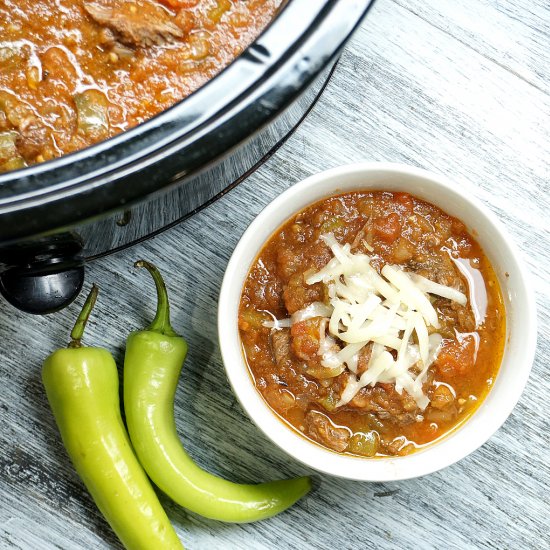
x=161 y=322
x=80 y=325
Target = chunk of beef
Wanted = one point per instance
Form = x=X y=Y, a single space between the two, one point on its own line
x=320 y=428
x=136 y=22
x=454 y=317
x=384 y=401
x=397 y=447
x=18 y=114
x=303 y=257
x=441 y=269
x=33 y=141
x=280 y=346
x=298 y=294
x=364 y=358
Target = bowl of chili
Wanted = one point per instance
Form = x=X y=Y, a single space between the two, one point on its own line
x=383 y=330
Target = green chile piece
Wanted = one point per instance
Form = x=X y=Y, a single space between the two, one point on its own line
x=364 y=443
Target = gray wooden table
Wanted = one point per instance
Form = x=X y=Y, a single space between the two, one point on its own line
x=461 y=87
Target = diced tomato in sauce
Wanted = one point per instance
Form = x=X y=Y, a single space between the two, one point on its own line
x=388 y=228
x=456 y=357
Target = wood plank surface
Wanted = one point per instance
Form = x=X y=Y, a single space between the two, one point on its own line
x=457 y=86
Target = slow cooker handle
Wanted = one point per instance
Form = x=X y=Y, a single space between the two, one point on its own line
x=44 y=276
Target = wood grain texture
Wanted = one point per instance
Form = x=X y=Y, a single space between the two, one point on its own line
x=457 y=86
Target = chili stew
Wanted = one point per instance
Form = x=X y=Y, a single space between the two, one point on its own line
x=372 y=323
x=74 y=72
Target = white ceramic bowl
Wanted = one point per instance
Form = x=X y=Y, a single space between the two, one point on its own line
x=513 y=278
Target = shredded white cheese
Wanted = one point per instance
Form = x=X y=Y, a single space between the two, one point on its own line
x=316 y=309
x=276 y=324
x=440 y=290
x=386 y=310
x=383 y=310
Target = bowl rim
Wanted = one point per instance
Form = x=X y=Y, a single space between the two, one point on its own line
x=520 y=312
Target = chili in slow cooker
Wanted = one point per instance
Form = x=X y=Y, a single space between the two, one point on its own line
x=369 y=403
x=74 y=72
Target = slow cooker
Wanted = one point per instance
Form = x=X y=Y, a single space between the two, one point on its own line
x=56 y=216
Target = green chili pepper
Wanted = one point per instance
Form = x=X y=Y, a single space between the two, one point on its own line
x=82 y=388
x=153 y=362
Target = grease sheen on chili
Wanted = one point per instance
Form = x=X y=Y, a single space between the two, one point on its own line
x=74 y=72
x=393 y=228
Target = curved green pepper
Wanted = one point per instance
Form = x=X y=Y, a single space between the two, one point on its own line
x=152 y=365
x=82 y=388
